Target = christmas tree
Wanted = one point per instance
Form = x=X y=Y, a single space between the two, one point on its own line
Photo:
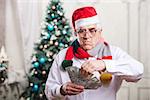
x=55 y=35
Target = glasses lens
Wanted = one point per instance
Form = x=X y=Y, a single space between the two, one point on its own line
x=92 y=31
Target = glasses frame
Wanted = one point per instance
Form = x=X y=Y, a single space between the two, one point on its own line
x=92 y=31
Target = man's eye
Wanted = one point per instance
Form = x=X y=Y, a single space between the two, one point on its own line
x=81 y=31
x=92 y=30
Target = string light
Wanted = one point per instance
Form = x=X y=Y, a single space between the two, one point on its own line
x=44 y=72
x=53 y=7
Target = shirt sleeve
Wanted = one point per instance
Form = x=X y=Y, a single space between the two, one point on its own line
x=124 y=66
x=53 y=83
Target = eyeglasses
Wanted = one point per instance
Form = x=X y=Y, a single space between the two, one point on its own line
x=82 y=32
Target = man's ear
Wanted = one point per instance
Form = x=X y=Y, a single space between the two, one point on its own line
x=76 y=34
x=101 y=29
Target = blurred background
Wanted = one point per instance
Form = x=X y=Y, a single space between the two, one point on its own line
x=125 y=23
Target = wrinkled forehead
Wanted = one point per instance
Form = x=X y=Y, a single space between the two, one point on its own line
x=88 y=26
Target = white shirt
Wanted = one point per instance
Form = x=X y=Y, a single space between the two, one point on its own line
x=122 y=66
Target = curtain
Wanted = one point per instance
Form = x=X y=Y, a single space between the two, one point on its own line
x=2 y=23
x=23 y=22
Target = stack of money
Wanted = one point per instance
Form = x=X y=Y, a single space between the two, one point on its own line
x=92 y=81
x=88 y=82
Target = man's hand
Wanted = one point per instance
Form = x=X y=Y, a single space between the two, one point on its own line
x=71 y=89
x=89 y=67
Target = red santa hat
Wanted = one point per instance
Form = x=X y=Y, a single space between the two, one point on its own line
x=84 y=16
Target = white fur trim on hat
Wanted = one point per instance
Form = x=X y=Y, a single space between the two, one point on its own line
x=87 y=21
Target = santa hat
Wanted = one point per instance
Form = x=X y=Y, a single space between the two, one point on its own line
x=84 y=16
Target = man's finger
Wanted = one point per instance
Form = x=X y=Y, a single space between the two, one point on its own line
x=72 y=93
x=74 y=89
x=75 y=86
x=84 y=64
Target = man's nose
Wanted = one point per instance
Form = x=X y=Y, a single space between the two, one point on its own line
x=87 y=34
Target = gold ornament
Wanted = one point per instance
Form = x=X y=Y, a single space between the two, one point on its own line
x=41 y=46
x=51 y=42
x=105 y=78
x=45 y=46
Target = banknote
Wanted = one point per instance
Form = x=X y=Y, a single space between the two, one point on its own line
x=89 y=82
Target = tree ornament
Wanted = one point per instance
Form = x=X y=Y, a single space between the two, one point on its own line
x=51 y=42
x=105 y=78
x=64 y=32
x=35 y=72
x=28 y=98
x=42 y=60
x=66 y=45
x=45 y=46
x=60 y=13
x=31 y=84
x=41 y=47
x=41 y=95
x=53 y=16
x=50 y=27
x=44 y=72
x=35 y=87
x=55 y=27
x=49 y=53
x=59 y=6
x=56 y=43
x=48 y=11
x=57 y=33
x=2 y=79
x=36 y=64
x=53 y=7
x=61 y=44
x=55 y=20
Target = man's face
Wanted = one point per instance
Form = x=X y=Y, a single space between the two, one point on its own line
x=88 y=36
